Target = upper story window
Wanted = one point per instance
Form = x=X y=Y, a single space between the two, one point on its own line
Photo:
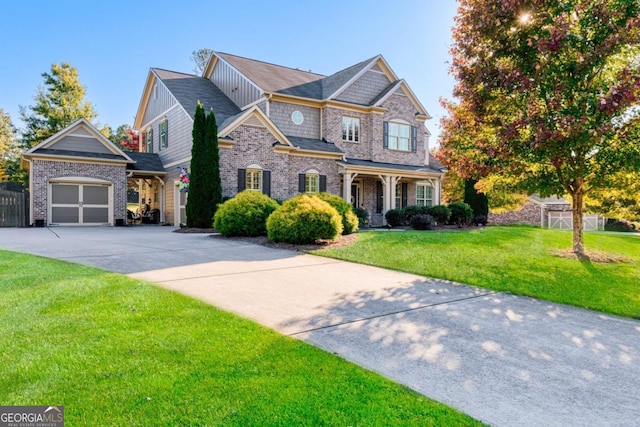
x=149 y=140
x=350 y=129
x=400 y=136
x=163 y=128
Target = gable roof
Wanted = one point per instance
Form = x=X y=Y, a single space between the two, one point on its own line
x=188 y=89
x=146 y=162
x=79 y=140
x=268 y=77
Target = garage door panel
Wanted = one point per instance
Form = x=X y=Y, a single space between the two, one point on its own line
x=65 y=194
x=65 y=215
x=95 y=215
x=95 y=195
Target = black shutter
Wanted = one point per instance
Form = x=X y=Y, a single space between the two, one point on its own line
x=385 y=136
x=266 y=183
x=414 y=139
x=323 y=183
x=166 y=133
x=301 y=183
x=405 y=186
x=242 y=180
x=160 y=136
x=379 y=196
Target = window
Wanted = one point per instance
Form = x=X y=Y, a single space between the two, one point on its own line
x=350 y=129
x=254 y=179
x=399 y=136
x=312 y=183
x=401 y=195
x=149 y=140
x=424 y=195
x=164 y=136
x=297 y=117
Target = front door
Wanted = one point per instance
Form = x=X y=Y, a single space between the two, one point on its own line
x=356 y=194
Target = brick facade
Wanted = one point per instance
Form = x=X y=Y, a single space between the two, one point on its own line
x=43 y=171
x=530 y=214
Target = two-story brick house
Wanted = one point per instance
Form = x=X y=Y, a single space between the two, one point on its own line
x=359 y=133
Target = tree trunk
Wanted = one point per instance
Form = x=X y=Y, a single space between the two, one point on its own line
x=578 y=240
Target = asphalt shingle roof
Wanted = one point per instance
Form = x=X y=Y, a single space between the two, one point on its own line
x=148 y=162
x=313 y=144
x=420 y=168
x=189 y=89
x=270 y=77
x=74 y=153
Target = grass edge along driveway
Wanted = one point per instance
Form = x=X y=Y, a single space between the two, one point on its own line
x=117 y=351
x=518 y=260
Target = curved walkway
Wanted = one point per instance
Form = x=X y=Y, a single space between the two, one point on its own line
x=506 y=360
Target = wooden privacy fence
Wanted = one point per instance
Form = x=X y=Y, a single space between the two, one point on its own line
x=14 y=206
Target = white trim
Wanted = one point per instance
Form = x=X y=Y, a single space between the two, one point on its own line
x=164 y=113
x=177 y=162
x=79 y=180
x=256 y=102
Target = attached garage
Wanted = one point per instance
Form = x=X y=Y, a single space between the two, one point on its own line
x=77 y=177
x=90 y=203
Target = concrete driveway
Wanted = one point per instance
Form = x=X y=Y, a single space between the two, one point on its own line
x=506 y=360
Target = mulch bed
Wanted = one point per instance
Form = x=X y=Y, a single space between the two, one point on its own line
x=591 y=256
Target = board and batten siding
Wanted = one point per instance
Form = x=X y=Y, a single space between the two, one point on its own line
x=366 y=88
x=84 y=144
x=233 y=84
x=280 y=114
x=160 y=100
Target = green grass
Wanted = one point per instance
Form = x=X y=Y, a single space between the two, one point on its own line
x=513 y=259
x=116 y=351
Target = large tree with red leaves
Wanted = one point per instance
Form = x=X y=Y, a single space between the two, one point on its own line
x=545 y=93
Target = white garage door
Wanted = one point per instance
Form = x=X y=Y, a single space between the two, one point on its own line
x=79 y=204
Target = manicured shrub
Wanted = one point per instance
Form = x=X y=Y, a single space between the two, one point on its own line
x=440 y=214
x=363 y=216
x=244 y=215
x=622 y=225
x=422 y=222
x=304 y=219
x=394 y=217
x=413 y=210
x=461 y=213
x=345 y=209
x=479 y=202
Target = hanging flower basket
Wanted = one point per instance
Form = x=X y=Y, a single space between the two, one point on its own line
x=184 y=180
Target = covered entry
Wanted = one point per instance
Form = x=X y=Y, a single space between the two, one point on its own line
x=86 y=203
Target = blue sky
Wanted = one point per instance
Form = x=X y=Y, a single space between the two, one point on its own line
x=114 y=43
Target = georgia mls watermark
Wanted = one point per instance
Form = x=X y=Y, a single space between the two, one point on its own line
x=31 y=416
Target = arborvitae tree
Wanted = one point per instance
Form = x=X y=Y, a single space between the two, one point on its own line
x=214 y=182
x=479 y=202
x=196 y=208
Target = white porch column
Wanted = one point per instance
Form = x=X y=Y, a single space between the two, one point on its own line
x=347 y=179
x=437 y=191
x=162 y=198
x=393 y=181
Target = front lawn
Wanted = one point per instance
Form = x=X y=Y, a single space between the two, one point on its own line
x=513 y=259
x=116 y=351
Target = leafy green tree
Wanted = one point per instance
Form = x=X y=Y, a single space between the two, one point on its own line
x=545 y=90
x=200 y=57
x=123 y=137
x=205 y=184
x=9 y=153
x=620 y=200
x=57 y=105
x=478 y=201
x=196 y=208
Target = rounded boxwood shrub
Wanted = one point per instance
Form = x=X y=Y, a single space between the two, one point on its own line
x=422 y=222
x=363 y=216
x=394 y=217
x=244 y=215
x=622 y=225
x=304 y=219
x=461 y=213
x=440 y=214
x=413 y=210
x=345 y=209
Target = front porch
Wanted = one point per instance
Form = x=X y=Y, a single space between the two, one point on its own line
x=378 y=187
x=147 y=176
